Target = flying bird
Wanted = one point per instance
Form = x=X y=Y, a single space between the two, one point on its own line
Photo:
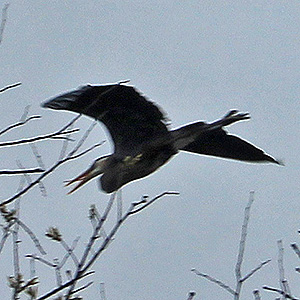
x=142 y=139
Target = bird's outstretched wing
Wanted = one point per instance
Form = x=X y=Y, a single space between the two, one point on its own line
x=130 y=118
x=221 y=144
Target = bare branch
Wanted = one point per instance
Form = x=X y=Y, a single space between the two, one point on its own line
x=280 y=260
x=282 y=281
x=239 y=279
x=32 y=268
x=65 y=145
x=82 y=140
x=102 y=291
x=25 y=113
x=37 y=138
x=152 y=201
x=279 y=292
x=5 y=235
x=243 y=238
x=55 y=166
x=296 y=249
x=19 y=124
x=83 y=267
x=286 y=287
x=20 y=172
x=16 y=254
x=62 y=287
x=10 y=87
x=16 y=242
x=42 y=260
x=83 y=152
x=216 y=281
x=64 y=260
x=70 y=252
x=3 y=21
x=255 y=270
x=82 y=288
x=38 y=156
x=92 y=241
x=41 y=164
x=32 y=236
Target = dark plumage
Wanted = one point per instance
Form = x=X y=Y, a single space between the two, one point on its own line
x=142 y=140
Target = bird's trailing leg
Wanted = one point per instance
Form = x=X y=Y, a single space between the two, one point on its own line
x=230 y=118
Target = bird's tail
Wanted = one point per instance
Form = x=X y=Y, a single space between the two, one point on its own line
x=211 y=139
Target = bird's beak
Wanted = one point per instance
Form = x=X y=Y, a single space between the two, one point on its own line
x=82 y=179
x=95 y=170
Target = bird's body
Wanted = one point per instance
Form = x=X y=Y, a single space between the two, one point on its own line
x=142 y=139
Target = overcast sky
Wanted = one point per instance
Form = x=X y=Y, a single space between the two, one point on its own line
x=197 y=59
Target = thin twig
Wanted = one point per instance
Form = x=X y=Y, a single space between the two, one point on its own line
x=280 y=266
x=57 y=272
x=241 y=252
x=3 y=21
x=19 y=124
x=102 y=291
x=152 y=201
x=82 y=288
x=65 y=145
x=279 y=292
x=19 y=172
x=41 y=164
x=36 y=138
x=239 y=279
x=67 y=255
x=296 y=249
x=92 y=241
x=16 y=241
x=84 y=137
x=38 y=156
x=25 y=175
x=82 y=269
x=50 y=170
x=110 y=236
x=216 y=281
x=42 y=260
x=10 y=87
x=286 y=287
x=70 y=251
x=32 y=268
x=243 y=238
x=5 y=236
x=65 y=285
x=25 y=113
x=255 y=270
x=32 y=236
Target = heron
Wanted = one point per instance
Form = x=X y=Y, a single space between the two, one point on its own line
x=141 y=134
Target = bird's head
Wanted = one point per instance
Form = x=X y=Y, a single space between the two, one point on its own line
x=97 y=168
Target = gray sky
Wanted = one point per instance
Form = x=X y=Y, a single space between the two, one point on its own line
x=197 y=59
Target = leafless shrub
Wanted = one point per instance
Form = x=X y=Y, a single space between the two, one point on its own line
x=240 y=280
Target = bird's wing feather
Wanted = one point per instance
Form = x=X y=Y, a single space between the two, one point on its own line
x=221 y=144
x=130 y=118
